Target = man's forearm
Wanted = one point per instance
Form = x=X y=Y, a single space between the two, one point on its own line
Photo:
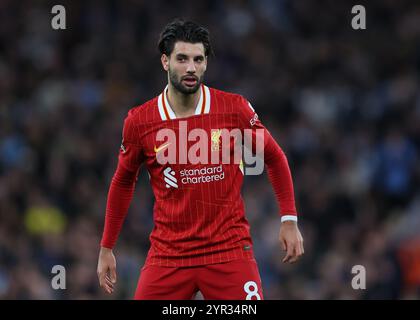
x=120 y=194
x=280 y=177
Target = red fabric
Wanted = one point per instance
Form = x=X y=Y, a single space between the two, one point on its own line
x=166 y=283
x=233 y=280
x=280 y=176
x=119 y=198
x=195 y=223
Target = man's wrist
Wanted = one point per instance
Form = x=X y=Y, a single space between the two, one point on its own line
x=287 y=218
x=105 y=250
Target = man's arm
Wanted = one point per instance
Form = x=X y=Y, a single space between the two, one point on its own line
x=120 y=194
x=107 y=270
x=281 y=179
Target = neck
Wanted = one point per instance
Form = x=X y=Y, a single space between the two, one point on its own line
x=182 y=104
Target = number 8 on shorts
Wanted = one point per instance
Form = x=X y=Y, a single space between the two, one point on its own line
x=251 y=289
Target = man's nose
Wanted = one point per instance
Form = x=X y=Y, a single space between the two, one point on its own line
x=191 y=67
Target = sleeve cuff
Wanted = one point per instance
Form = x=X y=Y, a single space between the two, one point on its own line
x=289 y=218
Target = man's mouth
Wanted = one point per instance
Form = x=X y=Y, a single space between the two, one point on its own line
x=190 y=81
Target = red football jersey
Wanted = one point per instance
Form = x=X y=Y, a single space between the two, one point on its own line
x=199 y=215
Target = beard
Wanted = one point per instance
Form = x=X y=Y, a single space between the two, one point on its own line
x=177 y=83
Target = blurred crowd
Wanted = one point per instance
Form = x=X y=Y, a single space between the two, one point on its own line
x=343 y=104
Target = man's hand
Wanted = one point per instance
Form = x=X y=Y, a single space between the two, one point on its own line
x=291 y=241
x=107 y=270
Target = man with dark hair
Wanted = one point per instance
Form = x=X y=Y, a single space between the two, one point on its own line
x=201 y=239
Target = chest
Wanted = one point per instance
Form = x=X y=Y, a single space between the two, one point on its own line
x=203 y=139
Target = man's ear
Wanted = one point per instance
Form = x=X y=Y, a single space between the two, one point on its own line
x=165 y=62
x=207 y=61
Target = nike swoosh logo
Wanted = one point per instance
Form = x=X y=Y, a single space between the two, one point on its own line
x=163 y=146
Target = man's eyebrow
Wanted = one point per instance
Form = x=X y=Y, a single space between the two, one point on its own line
x=183 y=55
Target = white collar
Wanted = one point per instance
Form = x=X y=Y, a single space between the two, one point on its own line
x=166 y=112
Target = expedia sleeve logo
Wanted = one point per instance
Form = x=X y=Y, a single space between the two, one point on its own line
x=122 y=147
x=254 y=120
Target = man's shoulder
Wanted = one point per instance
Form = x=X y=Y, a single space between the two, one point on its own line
x=229 y=100
x=143 y=113
x=226 y=95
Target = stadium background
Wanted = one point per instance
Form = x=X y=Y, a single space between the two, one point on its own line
x=343 y=104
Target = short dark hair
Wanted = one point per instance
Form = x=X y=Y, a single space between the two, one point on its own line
x=187 y=31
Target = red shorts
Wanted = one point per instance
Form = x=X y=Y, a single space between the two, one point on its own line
x=233 y=280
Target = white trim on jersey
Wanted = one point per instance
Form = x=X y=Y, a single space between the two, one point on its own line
x=208 y=99
x=166 y=111
x=200 y=102
x=289 y=218
x=167 y=105
x=160 y=108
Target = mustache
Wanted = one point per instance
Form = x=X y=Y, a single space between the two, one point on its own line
x=189 y=76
